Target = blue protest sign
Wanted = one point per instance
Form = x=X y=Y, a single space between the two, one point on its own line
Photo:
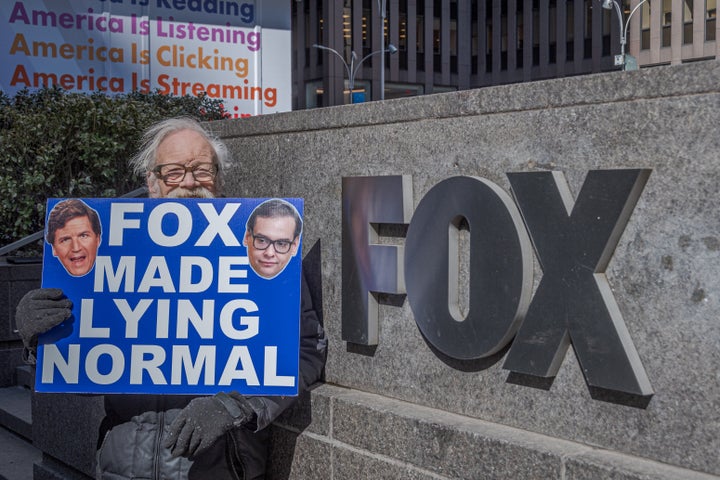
x=182 y=296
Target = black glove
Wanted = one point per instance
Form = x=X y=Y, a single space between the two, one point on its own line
x=39 y=311
x=204 y=420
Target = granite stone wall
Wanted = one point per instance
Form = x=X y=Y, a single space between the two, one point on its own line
x=401 y=410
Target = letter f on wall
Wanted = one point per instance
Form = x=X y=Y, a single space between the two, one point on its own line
x=574 y=304
x=368 y=267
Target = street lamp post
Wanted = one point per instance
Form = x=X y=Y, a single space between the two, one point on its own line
x=626 y=61
x=383 y=14
x=354 y=66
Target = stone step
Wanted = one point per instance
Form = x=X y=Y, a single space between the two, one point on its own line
x=17 y=454
x=16 y=410
x=24 y=376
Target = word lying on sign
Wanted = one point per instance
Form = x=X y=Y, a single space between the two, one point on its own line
x=573 y=240
x=167 y=299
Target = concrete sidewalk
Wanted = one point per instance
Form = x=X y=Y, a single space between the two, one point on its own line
x=17 y=456
x=17 y=453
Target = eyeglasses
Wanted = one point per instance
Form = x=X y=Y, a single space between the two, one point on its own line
x=174 y=173
x=263 y=243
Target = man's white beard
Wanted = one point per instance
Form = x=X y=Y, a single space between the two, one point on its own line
x=198 y=192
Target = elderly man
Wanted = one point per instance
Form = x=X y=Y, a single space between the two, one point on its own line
x=169 y=436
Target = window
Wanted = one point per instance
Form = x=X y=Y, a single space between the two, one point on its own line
x=399 y=90
x=402 y=45
x=710 y=20
x=608 y=16
x=366 y=26
x=666 y=19
x=453 y=36
x=688 y=21
x=645 y=24
x=402 y=28
x=436 y=45
x=314 y=94
x=420 y=35
x=536 y=33
x=588 y=29
x=488 y=37
x=520 y=35
x=347 y=28
x=474 y=38
x=552 y=28
x=570 y=31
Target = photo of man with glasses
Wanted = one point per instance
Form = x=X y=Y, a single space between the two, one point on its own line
x=272 y=236
x=74 y=232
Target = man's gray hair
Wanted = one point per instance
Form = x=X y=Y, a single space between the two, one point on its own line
x=144 y=161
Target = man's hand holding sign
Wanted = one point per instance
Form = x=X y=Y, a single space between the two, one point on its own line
x=189 y=436
x=156 y=301
x=39 y=311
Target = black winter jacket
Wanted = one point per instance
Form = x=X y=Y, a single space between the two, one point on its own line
x=134 y=426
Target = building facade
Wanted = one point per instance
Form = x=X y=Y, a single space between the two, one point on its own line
x=449 y=45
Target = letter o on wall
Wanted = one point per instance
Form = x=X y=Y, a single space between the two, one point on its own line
x=500 y=270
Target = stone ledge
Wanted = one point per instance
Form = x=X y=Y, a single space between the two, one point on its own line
x=665 y=81
x=51 y=469
x=617 y=466
x=387 y=438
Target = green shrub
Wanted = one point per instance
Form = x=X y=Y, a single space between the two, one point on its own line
x=59 y=144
